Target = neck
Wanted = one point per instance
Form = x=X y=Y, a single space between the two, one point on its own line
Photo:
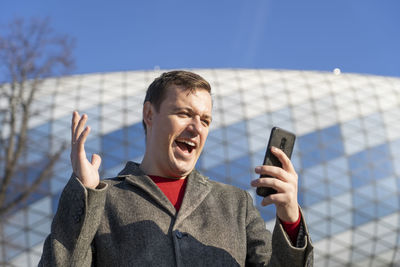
x=148 y=167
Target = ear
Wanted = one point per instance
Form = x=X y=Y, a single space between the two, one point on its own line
x=148 y=114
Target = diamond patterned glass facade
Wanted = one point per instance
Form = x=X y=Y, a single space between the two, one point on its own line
x=347 y=153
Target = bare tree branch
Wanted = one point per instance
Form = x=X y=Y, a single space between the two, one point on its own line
x=29 y=53
x=44 y=175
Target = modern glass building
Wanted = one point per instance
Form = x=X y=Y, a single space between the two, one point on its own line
x=347 y=152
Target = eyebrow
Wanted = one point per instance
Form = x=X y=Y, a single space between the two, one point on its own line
x=190 y=110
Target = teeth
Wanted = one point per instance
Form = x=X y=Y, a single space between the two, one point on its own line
x=188 y=142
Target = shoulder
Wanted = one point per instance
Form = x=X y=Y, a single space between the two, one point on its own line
x=112 y=181
x=224 y=190
x=131 y=169
x=218 y=186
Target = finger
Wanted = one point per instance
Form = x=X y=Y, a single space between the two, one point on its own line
x=274 y=183
x=266 y=201
x=74 y=123
x=273 y=171
x=80 y=127
x=277 y=199
x=96 y=161
x=283 y=158
x=82 y=139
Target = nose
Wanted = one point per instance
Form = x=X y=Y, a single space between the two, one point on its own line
x=195 y=125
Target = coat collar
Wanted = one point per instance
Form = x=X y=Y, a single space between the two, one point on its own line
x=197 y=188
x=133 y=175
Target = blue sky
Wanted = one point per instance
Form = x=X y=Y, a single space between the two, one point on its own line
x=357 y=36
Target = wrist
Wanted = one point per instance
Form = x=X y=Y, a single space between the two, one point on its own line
x=91 y=185
x=86 y=183
x=292 y=229
x=289 y=215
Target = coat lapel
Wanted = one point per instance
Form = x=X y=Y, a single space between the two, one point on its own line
x=135 y=176
x=197 y=188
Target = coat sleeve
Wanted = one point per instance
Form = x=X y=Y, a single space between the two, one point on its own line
x=74 y=225
x=264 y=250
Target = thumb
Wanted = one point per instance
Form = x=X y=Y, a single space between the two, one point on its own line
x=96 y=160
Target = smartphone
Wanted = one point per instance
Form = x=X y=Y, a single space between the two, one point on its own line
x=283 y=140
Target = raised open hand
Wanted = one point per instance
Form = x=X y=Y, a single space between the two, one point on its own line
x=87 y=172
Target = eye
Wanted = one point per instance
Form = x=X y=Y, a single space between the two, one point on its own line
x=184 y=114
x=206 y=122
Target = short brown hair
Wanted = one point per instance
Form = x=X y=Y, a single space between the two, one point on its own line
x=156 y=92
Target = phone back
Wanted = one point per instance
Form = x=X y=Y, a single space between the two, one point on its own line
x=281 y=139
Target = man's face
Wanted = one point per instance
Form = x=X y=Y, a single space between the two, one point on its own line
x=177 y=133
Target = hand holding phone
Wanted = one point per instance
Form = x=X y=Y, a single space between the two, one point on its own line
x=283 y=140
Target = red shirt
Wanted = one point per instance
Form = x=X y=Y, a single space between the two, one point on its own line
x=174 y=190
x=292 y=229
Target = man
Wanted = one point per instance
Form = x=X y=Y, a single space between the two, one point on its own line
x=163 y=212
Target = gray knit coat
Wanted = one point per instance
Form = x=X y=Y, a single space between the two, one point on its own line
x=130 y=222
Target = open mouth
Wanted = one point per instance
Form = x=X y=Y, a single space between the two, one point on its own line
x=185 y=145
